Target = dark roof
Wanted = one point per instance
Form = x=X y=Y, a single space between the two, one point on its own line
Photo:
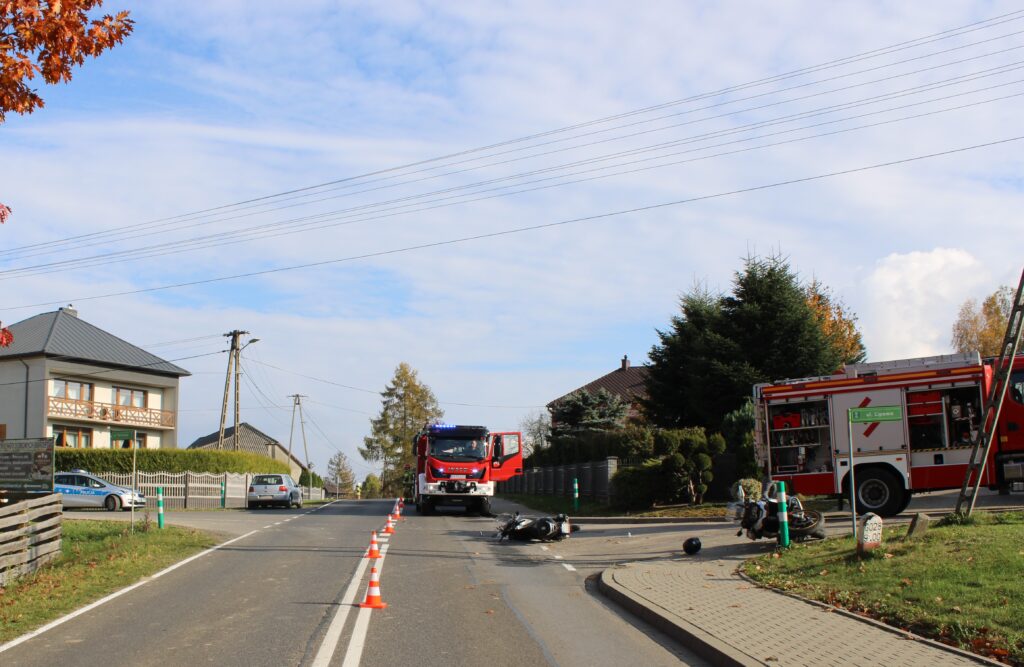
x=61 y=334
x=250 y=439
x=626 y=383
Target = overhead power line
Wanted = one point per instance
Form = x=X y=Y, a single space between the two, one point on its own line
x=527 y=228
x=349 y=216
x=901 y=46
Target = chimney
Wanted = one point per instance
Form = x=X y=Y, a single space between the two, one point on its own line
x=70 y=310
x=625 y=362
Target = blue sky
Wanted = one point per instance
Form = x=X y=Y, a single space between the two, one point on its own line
x=208 y=104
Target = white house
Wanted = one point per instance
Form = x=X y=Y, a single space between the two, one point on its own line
x=66 y=378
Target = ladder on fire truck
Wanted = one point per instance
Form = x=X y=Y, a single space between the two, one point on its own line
x=993 y=405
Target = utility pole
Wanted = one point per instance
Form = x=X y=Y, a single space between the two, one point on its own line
x=234 y=367
x=297 y=405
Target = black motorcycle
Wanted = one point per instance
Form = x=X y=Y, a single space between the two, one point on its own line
x=525 y=529
x=760 y=518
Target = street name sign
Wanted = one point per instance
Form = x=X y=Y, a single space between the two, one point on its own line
x=882 y=413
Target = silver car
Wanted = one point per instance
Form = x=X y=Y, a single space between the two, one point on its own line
x=82 y=489
x=280 y=490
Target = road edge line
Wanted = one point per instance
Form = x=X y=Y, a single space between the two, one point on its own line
x=357 y=642
x=116 y=594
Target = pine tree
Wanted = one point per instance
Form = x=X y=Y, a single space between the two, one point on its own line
x=407 y=405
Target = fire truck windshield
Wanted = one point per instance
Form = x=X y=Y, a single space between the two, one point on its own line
x=458 y=449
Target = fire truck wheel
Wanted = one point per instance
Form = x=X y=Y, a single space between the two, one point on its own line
x=483 y=507
x=428 y=506
x=878 y=491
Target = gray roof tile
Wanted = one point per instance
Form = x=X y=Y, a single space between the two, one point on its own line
x=60 y=334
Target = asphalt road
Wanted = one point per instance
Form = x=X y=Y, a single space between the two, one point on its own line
x=281 y=595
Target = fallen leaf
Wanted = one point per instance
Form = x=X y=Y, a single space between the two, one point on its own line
x=906 y=582
x=489 y=611
x=888 y=555
x=735 y=606
x=776 y=555
x=957 y=610
x=469 y=587
x=823 y=573
x=938 y=599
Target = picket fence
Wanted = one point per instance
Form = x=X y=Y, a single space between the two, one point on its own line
x=196 y=490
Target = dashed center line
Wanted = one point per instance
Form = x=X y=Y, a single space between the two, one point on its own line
x=568 y=567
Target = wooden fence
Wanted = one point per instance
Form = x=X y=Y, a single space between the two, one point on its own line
x=195 y=490
x=30 y=535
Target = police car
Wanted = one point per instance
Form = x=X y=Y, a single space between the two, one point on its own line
x=82 y=489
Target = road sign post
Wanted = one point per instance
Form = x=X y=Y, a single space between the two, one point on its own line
x=576 y=495
x=864 y=415
x=159 y=507
x=783 y=517
x=129 y=435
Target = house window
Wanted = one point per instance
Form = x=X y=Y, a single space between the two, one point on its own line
x=73 y=436
x=135 y=398
x=71 y=389
x=139 y=442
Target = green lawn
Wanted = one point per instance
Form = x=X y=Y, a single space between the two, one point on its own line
x=960 y=584
x=558 y=504
x=98 y=558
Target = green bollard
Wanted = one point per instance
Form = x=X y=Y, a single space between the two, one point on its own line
x=159 y=507
x=575 y=494
x=783 y=517
x=223 y=496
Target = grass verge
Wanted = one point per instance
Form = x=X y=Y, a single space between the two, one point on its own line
x=959 y=584
x=98 y=558
x=560 y=504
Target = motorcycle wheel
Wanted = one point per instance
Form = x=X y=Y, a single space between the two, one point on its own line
x=809 y=525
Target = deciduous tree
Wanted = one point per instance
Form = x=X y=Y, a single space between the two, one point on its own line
x=48 y=38
x=371 y=487
x=407 y=405
x=536 y=428
x=837 y=322
x=340 y=472
x=982 y=328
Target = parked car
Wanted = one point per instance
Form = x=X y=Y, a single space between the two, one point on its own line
x=279 y=490
x=83 y=489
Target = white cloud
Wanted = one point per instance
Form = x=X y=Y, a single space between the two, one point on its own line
x=912 y=299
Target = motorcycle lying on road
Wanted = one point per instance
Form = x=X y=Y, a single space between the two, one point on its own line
x=525 y=529
x=760 y=518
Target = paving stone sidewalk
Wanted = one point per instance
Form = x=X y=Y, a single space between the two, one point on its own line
x=706 y=605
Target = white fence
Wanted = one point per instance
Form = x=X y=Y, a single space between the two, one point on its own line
x=196 y=490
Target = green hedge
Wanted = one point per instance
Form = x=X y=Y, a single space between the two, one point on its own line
x=167 y=460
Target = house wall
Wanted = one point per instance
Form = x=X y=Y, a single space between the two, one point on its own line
x=13 y=393
x=161 y=394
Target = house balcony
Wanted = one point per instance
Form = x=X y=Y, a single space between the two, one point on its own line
x=91 y=411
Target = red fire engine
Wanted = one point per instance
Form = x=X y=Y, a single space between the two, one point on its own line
x=802 y=436
x=459 y=465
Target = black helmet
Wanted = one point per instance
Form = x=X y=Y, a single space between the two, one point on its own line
x=691 y=546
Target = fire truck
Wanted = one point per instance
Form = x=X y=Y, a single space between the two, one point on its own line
x=802 y=434
x=459 y=465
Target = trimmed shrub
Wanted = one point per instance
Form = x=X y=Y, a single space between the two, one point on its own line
x=167 y=460
x=638 y=488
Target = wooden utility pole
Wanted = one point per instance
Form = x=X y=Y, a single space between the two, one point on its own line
x=234 y=366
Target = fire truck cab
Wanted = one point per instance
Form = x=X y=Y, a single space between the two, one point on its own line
x=802 y=433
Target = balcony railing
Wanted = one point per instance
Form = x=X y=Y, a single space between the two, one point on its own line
x=68 y=408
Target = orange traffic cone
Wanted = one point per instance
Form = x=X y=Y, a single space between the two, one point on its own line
x=398 y=514
x=374 y=552
x=401 y=503
x=389 y=528
x=373 y=600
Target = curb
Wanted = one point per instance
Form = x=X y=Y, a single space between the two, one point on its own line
x=647 y=519
x=932 y=513
x=905 y=634
x=700 y=642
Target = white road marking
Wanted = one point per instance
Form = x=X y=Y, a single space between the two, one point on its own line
x=116 y=594
x=330 y=642
x=557 y=557
x=358 y=641
x=543 y=547
x=568 y=567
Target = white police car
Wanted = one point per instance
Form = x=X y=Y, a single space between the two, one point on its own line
x=81 y=489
